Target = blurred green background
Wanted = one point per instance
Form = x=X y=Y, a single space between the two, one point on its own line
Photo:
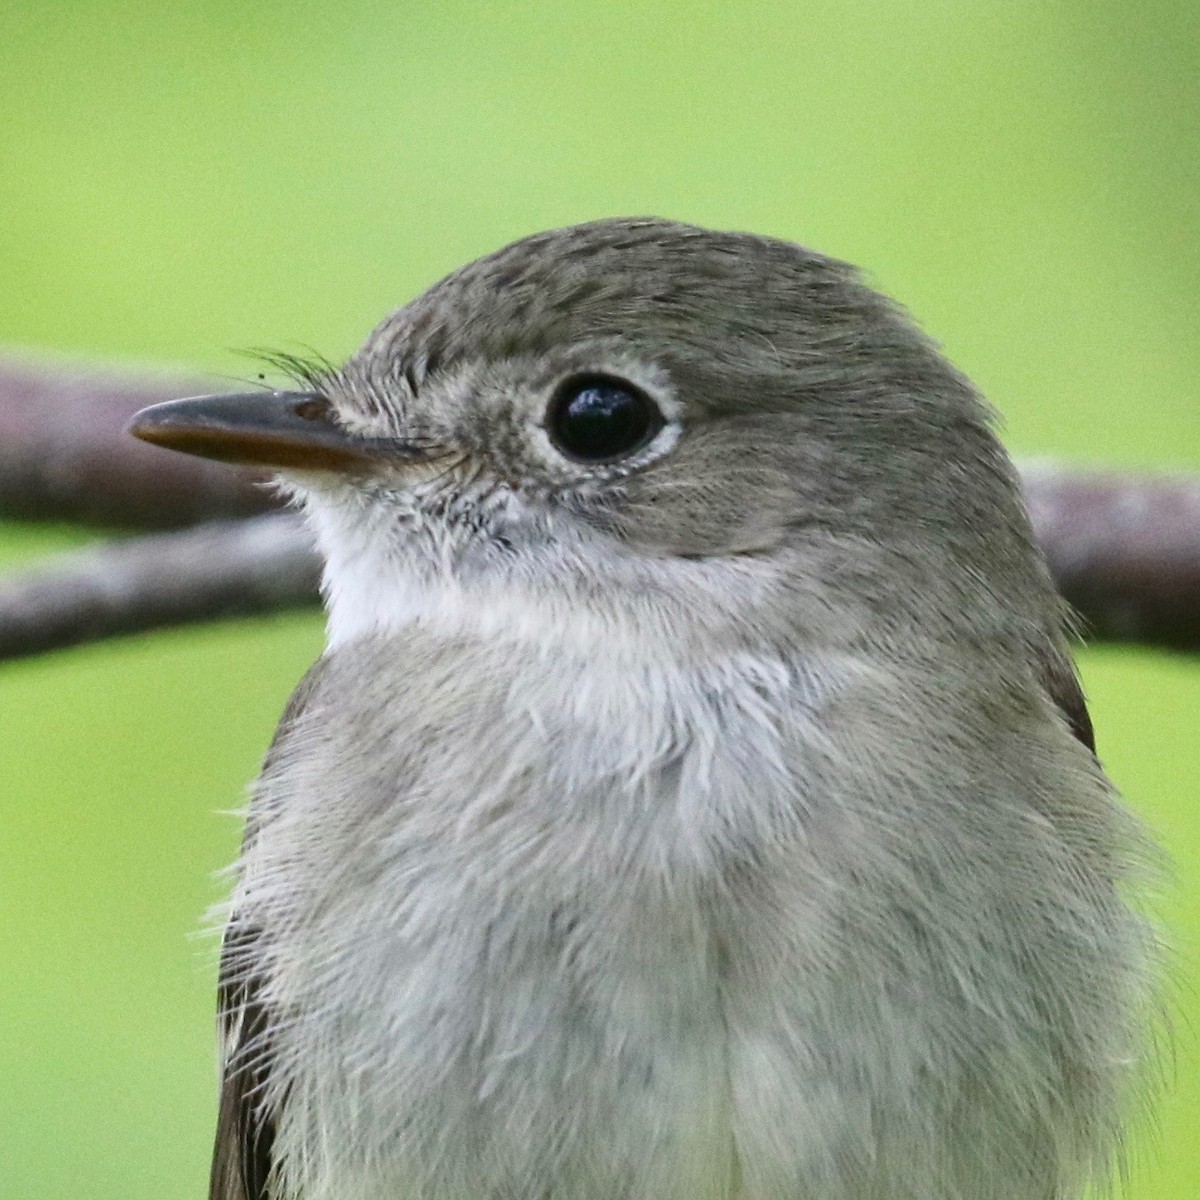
x=178 y=180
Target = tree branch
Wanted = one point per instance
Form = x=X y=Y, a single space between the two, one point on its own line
x=64 y=452
x=1123 y=548
x=222 y=569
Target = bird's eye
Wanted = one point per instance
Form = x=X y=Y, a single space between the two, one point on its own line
x=596 y=419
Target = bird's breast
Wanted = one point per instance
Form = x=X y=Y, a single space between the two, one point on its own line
x=550 y=928
x=491 y=898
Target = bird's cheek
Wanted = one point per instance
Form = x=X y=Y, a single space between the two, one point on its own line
x=702 y=513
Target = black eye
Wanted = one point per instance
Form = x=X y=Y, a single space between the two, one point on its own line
x=595 y=418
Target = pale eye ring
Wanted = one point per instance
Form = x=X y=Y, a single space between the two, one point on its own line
x=601 y=418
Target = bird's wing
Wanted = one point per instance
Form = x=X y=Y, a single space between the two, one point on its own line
x=242 y=1160
x=1062 y=683
x=245 y=1128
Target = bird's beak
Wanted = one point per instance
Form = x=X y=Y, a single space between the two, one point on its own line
x=265 y=429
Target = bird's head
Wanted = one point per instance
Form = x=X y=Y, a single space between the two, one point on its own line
x=719 y=438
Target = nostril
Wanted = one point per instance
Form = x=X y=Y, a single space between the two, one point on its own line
x=313 y=409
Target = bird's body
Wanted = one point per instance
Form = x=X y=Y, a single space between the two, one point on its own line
x=601 y=973
x=715 y=819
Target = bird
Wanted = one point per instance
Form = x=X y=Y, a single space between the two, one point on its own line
x=695 y=798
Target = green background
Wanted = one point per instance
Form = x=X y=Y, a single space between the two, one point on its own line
x=179 y=179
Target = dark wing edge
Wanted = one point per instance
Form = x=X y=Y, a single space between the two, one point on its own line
x=245 y=1128
x=245 y=1136
x=1062 y=684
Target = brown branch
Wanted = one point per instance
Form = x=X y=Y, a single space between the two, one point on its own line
x=64 y=453
x=1124 y=550
x=222 y=569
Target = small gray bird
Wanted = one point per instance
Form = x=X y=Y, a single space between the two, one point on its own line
x=695 y=800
